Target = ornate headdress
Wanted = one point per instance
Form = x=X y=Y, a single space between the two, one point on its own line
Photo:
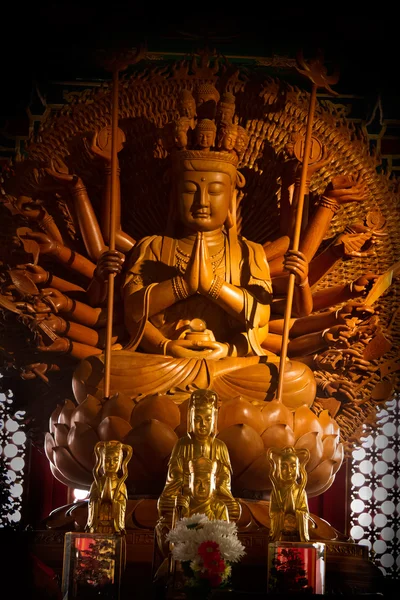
x=203 y=465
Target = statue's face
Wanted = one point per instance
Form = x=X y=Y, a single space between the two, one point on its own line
x=187 y=108
x=205 y=139
x=112 y=462
x=229 y=139
x=201 y=485
x=203 y=422
x=289 y=468
x=225 y=114
x=204 y=198
x=240 y=142
x=181 y=138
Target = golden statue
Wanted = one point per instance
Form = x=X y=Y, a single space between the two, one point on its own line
x=184 y=466
x=202 y=486
x=288 y=504
x=108 y=494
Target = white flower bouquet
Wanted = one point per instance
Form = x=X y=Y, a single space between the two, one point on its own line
x=206 y=550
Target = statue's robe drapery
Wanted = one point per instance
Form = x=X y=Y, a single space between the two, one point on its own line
x=187 y=449
x=107 y=505
x=254 y=377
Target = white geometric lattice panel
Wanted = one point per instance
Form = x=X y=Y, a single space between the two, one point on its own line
x=375 y=492
x=12 y=450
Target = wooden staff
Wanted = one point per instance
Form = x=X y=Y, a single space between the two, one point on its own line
x=115 y=65
x=111 y=276
x=316 y=72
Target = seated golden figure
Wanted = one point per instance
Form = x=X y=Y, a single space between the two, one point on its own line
x=199 y=443
x=108 y=494
x=288 y=504
x=202 y=270
x=202 y=485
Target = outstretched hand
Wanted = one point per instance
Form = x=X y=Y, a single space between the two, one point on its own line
x=345 y=188
x=296 y=262
x=110 y=262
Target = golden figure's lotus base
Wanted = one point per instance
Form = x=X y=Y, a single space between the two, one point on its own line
x=348 y=568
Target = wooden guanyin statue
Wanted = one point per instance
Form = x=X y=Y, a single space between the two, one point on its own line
x=108 y=494
x=288 y=507
x=206 y=193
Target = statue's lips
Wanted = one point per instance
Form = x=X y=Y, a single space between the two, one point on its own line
x=201 y=215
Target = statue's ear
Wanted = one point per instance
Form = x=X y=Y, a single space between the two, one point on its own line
x=230 y=220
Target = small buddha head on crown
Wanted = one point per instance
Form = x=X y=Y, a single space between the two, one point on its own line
x=186 y=105
x=207 y=98
x=202 y=414
x=227 y=135
x=202 y=478
x=226 y=108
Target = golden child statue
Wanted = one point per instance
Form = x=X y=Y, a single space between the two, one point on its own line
x=288 y=503
x=199 y=442
x=108 y=494
x=202 y=486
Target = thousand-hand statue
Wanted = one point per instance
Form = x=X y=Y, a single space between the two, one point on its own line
x=206 y=195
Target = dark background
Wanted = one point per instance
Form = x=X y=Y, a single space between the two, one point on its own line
x=57 y=40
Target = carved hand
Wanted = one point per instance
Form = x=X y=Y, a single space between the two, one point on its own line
x=30 y=209
x=194 y=349
x=349 y=245
x=206 y=274
x=296 y=262
x=61 y=176
x=47 y=245
x=56 y=299
x=36 y=273
x=341 y=388
x=345 y=188
x=338 y=336
x=109 y=262
x=61 y=344
x=353 y=310
x=362 y=285
x=191 y=277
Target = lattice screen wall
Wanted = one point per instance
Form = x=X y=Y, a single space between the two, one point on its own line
x=375 y=492
x=12 y=451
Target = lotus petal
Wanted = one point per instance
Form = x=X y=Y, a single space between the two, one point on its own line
x=118 y=406
x=278 y=436
x=319 y=477
x=61 y=434
x=323 y=489
x=328 y=424
x=330 y=443
x=244 y=446
x=66 y=412
x=152 y=443
x=305 y=421
x=313 y=442
x=238 y=411
x=113 y=428
x=159 y=407
x=275 y=412
x=54 y=417
x=139 y=477
x=181 y=430
x=81 y=442
x=70 y=468
x=48 y=447
x=259 y=512
x=255 y=477
x=60 y=477
x=89 y=411
x=338 y=458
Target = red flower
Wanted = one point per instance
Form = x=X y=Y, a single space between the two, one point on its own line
x=208 y=547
